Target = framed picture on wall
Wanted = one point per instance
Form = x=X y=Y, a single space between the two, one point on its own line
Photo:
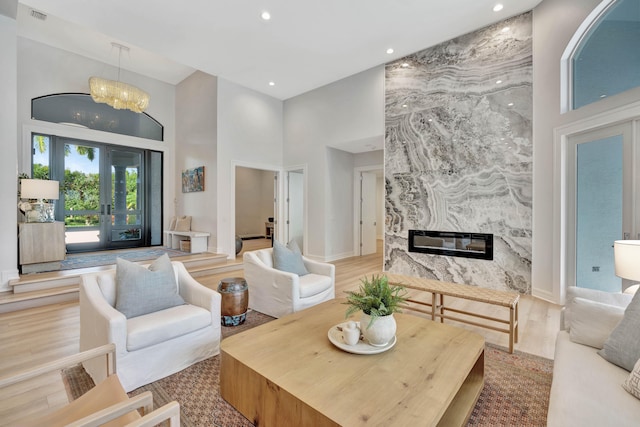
x=193 y=180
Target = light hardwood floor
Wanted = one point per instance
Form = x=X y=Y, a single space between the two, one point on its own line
x=38 y=335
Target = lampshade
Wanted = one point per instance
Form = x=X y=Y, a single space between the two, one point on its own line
x=627 y=259
x=39 y=189
x=118 y=95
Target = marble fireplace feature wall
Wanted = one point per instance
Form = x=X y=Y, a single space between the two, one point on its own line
x=458 y=154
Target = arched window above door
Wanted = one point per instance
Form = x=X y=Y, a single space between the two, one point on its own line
x=78 y=109
x=603 y=58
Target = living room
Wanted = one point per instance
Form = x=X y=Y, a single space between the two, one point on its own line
x=222 y=125
x=302 y=130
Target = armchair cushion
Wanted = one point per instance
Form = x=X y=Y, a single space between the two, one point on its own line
x=162 y=326
x=623 y=347
x=314 y=284
x=288 y=258
x=141 y=291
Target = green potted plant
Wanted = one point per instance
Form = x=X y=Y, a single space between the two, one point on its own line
x=377 y=300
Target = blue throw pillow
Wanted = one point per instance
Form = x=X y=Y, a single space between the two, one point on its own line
x=141 y=290
x=288 y=258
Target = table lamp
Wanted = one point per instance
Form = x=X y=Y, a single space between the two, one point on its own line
x=41 y=190
x=626 y=254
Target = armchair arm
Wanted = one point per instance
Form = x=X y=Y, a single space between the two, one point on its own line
x=321 y=268
x=195 y=293
x=101 y=324
x=26 y=374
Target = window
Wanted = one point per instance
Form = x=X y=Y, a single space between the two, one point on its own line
x=78 y=109
x=606 y=59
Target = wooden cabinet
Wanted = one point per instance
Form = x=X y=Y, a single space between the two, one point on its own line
x=42 y=246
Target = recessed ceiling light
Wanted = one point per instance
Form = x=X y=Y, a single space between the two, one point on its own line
x=272 y=83
x=498 y=7
x=265 y=15
x=389 y=51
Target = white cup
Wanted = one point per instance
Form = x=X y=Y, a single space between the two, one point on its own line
x=351 y=333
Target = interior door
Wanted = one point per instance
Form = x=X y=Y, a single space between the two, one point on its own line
x=602 y=203
x=295 y=207
x=368 y=213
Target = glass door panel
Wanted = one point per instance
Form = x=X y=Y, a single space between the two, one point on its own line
x=126 y=219
x=599 y=212
x=82 y=196
x=602 y=204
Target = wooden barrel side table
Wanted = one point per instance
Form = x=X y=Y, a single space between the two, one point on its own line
x=235 y=301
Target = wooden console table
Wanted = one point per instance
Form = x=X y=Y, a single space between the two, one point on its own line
x=42 y=246
x=438 y=309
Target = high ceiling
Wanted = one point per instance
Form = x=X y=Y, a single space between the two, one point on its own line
x=306 y=44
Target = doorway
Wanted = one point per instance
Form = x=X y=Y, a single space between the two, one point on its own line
x=110 y=197
x=294 y=210
x=601 y=206
x=255 y=203
x=368 y=209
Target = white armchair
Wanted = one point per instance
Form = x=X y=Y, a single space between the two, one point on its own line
x=154 y=345
x=277 y=293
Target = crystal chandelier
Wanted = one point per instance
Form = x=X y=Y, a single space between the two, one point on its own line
x=117 y=94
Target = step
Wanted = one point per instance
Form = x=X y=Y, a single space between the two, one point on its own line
x=38 y=289
x=207 y=270
x=13 y=302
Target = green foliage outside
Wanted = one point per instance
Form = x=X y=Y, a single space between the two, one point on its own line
x=82 y=193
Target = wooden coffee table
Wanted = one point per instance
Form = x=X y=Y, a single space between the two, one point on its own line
x=287 y=373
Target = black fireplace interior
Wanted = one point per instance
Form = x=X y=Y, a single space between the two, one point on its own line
x=451 y=243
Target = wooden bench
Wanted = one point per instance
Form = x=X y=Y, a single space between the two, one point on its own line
x=438 y=309
x=198 y=240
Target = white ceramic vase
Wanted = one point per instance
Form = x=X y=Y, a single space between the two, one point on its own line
x=381 y=331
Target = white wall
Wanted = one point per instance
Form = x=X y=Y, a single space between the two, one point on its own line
x=249 y=135
x=350 y=109
x=8 y=160
x=196 y=142
x=554 y=24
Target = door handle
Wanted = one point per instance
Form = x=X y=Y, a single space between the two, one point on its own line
x=101 y=209
x=108 y=209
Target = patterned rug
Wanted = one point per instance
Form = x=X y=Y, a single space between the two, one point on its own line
x=96 y=259
x=516 y=390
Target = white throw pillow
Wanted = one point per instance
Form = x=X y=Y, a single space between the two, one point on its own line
x=632 y=384
x=592 y=322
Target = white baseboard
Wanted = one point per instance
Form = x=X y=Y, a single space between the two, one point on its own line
x=544 y=295
x=5 y=277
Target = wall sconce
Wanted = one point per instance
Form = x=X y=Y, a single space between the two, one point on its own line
x=41 y=190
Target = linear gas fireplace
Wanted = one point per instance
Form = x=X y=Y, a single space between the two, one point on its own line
x=451 y=243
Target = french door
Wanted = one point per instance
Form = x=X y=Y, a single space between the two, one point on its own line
x=108 y=199
x=602 y=203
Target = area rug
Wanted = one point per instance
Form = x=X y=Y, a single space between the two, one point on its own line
x=96 y=259
x=516 y=390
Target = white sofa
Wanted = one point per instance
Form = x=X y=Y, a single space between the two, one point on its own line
x=154 y=345
x=587 y=389
x=277 y=293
